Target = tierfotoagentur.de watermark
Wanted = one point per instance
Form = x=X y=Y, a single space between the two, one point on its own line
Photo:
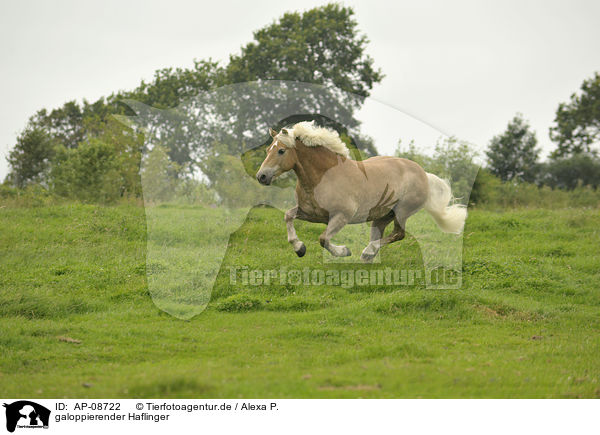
x=346 y=278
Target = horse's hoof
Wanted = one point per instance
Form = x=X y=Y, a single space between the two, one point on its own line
x=300 y=252
x=367 y=258
x=347 y=253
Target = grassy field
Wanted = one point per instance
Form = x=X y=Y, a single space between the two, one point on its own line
x=77 y=318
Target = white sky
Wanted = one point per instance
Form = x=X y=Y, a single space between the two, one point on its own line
x=462 y=67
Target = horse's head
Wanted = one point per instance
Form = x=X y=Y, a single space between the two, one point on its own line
x=280 y=157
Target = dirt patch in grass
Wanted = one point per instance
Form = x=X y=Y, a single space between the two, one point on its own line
x=501 y=311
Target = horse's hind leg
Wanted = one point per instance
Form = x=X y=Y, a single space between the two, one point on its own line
x=298 y=246
x=336 y=223
x=399 y=216
x=397 y=233
x=377 y=230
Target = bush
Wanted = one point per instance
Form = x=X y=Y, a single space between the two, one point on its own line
x=490 y=192
x=485 y=188
x=29 y=196
x=89 y=172
x=570 y=172
x=100 y=169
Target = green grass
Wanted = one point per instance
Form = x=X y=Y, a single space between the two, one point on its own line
x=526 y=322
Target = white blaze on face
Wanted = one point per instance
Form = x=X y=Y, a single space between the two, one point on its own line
x=265 y=168
x=273 y=146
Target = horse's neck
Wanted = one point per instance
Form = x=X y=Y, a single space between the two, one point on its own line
x=312 y=164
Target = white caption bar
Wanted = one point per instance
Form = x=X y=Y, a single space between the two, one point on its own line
x=155 y=416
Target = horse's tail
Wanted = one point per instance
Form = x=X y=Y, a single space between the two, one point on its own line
x=450 y=218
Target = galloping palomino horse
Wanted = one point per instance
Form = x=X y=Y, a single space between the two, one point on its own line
x=336 y=190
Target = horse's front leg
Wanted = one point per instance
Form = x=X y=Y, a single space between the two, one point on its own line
x=336 y=223
x=298 y=246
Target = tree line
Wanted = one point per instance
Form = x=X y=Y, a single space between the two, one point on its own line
x=81 y=150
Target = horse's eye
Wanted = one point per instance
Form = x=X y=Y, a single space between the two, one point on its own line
x=281 y=150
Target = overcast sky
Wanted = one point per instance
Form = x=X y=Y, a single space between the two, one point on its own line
x=459 y=68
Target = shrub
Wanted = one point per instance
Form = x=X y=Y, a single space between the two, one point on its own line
x=88 y=172
x=30 y=196
x=570 y=172
x=240 y=303
x=100 y=169
x=490 y=192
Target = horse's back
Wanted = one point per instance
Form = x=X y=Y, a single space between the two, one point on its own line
x=400 y=165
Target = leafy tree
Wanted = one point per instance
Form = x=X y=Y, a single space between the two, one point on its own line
x=513 y=155
x=29 y=160
x=321 y=46
x=577 y=123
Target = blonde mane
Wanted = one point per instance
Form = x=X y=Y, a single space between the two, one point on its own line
x=311 y=136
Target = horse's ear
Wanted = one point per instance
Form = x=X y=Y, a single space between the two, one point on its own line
x=272 y=132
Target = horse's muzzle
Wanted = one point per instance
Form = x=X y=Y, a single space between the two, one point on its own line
x=264 y=178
